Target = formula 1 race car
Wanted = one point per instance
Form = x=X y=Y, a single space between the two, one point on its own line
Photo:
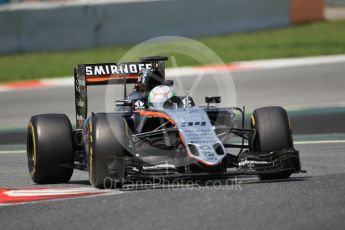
x=154 y=133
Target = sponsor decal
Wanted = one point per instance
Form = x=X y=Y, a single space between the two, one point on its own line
x=197 y=123
x=252 y=163
x=139 y=104
x=80 y=103
x=159 y=166
x=114 y=69
x=81 y=82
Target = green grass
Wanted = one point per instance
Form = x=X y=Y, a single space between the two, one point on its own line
x=320 y=38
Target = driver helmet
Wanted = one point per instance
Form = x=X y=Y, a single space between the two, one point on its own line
x=159 y=95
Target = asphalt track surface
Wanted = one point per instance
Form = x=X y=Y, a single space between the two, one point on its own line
x=314 y=200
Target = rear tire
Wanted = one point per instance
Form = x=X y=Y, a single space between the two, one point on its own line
x=273 y=133
x=105 y=150
x=50 y=148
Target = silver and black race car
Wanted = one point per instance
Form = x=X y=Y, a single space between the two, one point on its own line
x=154 y=133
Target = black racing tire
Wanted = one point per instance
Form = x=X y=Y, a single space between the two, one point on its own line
x=50 y=148
x=106 y=150
x=273 y=132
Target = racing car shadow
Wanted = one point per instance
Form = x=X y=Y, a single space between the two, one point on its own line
x=233 y=183
x=79 y=182
x=195 y=183
x=258 y=181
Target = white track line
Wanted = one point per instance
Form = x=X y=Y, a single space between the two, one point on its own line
x=12 y=152
x=294 y=62
x=52 y=192
x=319 y=142
x=108 y=193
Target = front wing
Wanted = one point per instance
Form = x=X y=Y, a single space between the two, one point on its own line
x=283 y=161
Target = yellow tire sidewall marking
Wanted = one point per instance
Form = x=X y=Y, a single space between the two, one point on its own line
x=32 y=173
x=90 y=152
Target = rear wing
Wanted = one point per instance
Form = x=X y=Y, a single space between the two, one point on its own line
x=107 y=73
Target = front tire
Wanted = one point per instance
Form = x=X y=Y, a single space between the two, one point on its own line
x=106 y=151
x=50 y=148
x=273 y=133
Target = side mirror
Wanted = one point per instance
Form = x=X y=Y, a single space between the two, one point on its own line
x=213 y=99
